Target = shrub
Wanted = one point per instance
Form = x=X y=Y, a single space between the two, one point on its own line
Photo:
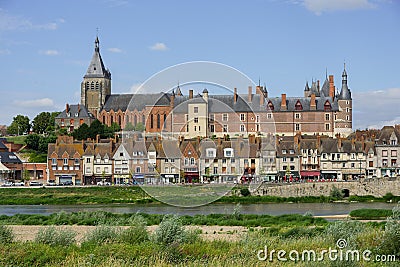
x=345 y=229
x=102 y=234
x=136 y=233
x=170 y=231
x=55 y=236
x=6 y=235
x=245 y=192
x=336 y=193
x=391 y=238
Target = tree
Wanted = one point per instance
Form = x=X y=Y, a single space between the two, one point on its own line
x=32 y=141
x=96 y=128
x=44 y=142
x=82 y=132
x=19 y=125
x=129 y=127
x=25 y=175
x=41 y=122
x=139 y=127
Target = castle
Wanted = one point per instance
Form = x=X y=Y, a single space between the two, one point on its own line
x=321 y=110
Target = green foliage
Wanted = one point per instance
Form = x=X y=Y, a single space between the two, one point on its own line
x=19 y=125
x=6 y=235
x=391 y=238
x=32 y=141
x=55 y=236
x=336 y=193
x=102 y=234
x=139 y=127
x=41 y=122
x=137 y=233
x=345 y=229
x=82 y=132
x=170 y=231
x=129 y=127
x=370 y=214
x=39 y=143
x=245 y=192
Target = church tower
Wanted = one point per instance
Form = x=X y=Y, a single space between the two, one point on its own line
x=96 y=84
x=345 y=115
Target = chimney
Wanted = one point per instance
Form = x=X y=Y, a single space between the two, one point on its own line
x=250 y=94
x=172 y=102
x=318 y=85
x=190 y=93
x=283 y=102
x=235 y=95
x=67 y=108
x=313 y=103
x=259 y=91
x=331 y=87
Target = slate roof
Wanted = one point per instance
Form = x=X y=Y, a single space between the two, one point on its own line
x=96 y=67
x=135 y=101
x=3 y=147
x=305 y=102
x=75 y=111
x=9 y=157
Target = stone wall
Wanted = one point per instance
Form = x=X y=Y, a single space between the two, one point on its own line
x=374 y=187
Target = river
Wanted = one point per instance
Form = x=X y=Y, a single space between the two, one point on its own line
x=317 y=209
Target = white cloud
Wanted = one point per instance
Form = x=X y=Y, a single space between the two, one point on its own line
x=373 y=109
x=49 y=52
x=36 y=103
x=15 y=22
x=159 y=47
x=320 y=6
x=115 y=50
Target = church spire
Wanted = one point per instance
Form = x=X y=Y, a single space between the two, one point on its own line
x=96 y=67
x=96 y=45
x=345 y=92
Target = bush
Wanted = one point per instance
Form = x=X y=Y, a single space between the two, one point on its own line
x=336 y=193
x=245 y=192
x=6 y=235
x=136 y=233
x=345 y=229
x=170 y=231
x=102 y=234
x=55 y=236
x=391 y=238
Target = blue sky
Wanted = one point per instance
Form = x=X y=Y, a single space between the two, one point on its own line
x=46 y=47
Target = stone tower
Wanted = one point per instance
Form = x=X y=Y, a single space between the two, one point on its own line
x=96 y=84
x=344 y=122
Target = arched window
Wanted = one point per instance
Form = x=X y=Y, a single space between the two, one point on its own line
x=143 y=120
x=111 y=119
x=158 y=121
x=87 y=85
x=134 y=119
x=97 y=86
x=92 y=86
x=151 y=121
x=165 y=120
x=119 y=120
x=104 y=119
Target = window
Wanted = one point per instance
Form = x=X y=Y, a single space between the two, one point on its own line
x=97 y=169
x=215 y=170
x=283 y=151
x=196 y=109
x=196 y=120
x=211 y=153
x=352 y=165
x=393 y=161
x=393 y=142
x=211 y=117
x=53 y=161
x=228 y=152
x=242 y=117
x=297 y=127
x=225 y=128
x=291 y=151
x=172 y=160
x=225 y=117
x=166 y=170
x=297 y=115
x=284 y=159
x=269 y=116
x=371 y=164
x=151 y=121
x=343 y=165
x=212 y=128
x=158 y=121
x=393 y=153
x=65 y=161
x=347 y=118
x=191 y=161
x=172 y=169
x=327 y=117
x=291 y=159
x=347 y=110
x=257 y=127
x=138 y=169
x=258 y=118
x=384 y=162
x=143 y=120
x=165 y=160
x=242 y=128
x=223 y=161
x=327 y=126
x=76 y=162
x=195 y=128
x=384 y=153
x=106 y=169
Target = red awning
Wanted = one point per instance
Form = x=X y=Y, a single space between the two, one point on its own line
x=310 y=173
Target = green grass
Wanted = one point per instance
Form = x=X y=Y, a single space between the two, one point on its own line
x=370 y=214
x=20 y=139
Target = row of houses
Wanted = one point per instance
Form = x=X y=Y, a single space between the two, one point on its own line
x=133 y=158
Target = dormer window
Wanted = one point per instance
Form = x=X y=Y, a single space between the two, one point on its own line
x=270 y=105
x=68 y=114
x=298 y=105
x=327 y=106
x=228 y=152
x=210 y=152
x=76 y=114
x=283 y=151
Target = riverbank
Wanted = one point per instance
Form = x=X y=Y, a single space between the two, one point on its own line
x=135 y=195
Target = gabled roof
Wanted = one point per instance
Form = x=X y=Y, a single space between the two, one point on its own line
x=75 y=112
x=9 y=157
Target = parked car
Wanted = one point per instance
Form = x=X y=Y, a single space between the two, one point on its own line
x=51 y=183
x=67 y=183
x=103 y=183
x=6 y=184
x=19 y=184
x=35 y=183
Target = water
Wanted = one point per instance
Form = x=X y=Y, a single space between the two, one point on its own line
x=317 y=209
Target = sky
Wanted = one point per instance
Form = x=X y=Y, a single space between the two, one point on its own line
x=46 y=47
